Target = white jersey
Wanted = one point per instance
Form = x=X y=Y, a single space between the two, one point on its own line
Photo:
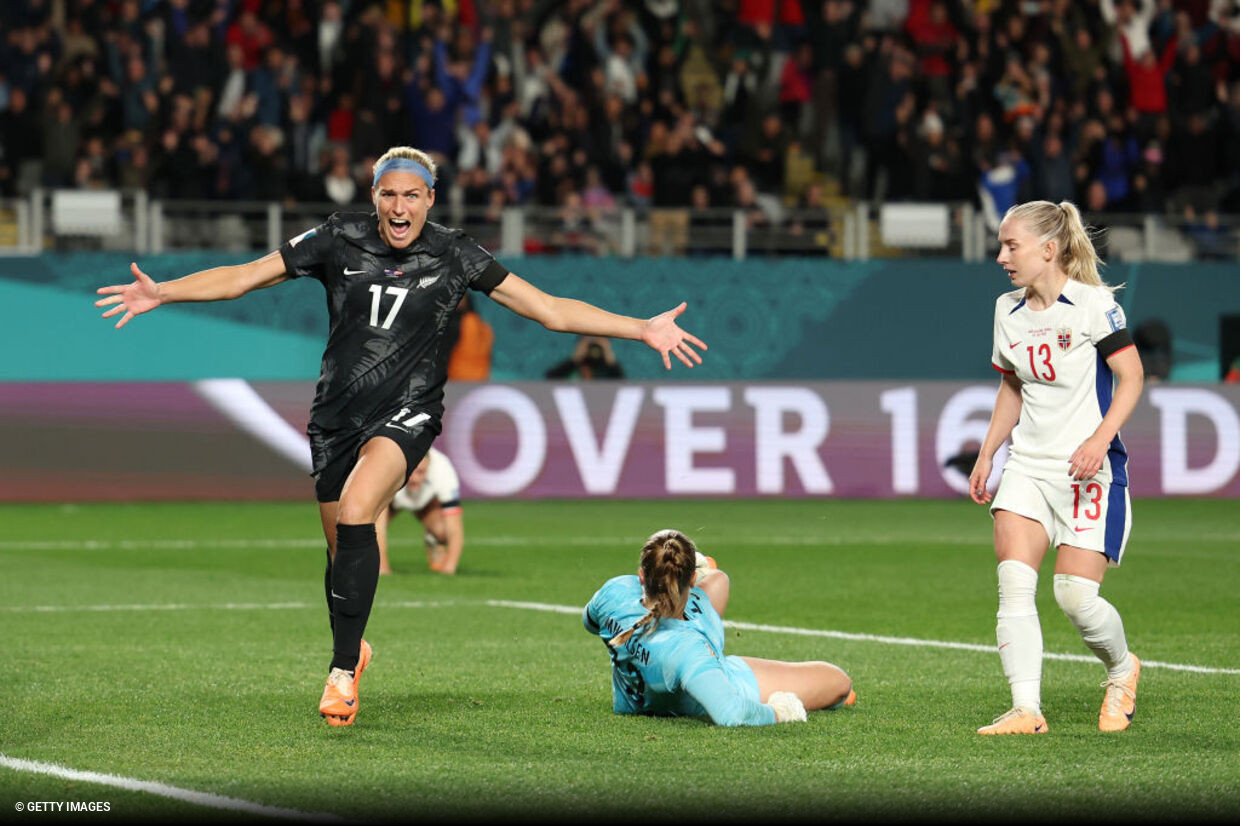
x=1059 y=354
x=441 y=484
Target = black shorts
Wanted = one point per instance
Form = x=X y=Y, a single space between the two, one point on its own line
x=414 y=440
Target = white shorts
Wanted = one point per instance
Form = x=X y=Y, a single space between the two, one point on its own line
x=441 y=484
x=1089 y=514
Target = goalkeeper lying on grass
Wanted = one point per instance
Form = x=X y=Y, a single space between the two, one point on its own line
x=664 y=630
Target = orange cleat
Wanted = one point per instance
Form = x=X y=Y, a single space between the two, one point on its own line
x=850 y=700
x=1016 y=721
x=339 y=703
x=1120 y=702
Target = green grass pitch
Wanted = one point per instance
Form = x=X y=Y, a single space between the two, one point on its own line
x=186 y=645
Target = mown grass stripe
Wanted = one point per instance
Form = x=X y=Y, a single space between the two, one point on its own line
x=575 y=610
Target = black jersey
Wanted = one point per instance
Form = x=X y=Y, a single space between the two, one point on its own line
x=389 y=312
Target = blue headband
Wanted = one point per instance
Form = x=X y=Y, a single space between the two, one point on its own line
x=404 y=165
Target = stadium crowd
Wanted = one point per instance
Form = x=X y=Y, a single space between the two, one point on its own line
x=1120 y=105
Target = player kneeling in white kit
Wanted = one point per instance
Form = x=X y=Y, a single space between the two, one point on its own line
x=433 y=494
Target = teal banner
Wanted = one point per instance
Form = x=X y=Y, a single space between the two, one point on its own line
x=776 y=318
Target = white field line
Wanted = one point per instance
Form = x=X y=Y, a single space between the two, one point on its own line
x=213 y=801
x=575 y=610
x=189 y=606
x=854 y=637
x=486 y=541
x=525 y=541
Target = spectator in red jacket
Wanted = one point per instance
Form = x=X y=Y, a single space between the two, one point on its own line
x=1147 y=82
x=934 y=40
x=796 y=86
x=253 y=37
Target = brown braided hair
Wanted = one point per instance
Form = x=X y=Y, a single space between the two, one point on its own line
x=667 y=565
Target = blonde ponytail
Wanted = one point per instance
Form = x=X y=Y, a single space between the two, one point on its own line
x=1078 y=257
x=1062 y=223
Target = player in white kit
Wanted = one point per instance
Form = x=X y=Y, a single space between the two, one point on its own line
x=433 y=494
x=1071 y=378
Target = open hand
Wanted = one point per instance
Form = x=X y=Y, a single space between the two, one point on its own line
x=135 y=298
x=663 y=334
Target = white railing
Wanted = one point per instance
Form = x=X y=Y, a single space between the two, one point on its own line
x=69 y=219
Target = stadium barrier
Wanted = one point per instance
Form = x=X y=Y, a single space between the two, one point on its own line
x=840 y=227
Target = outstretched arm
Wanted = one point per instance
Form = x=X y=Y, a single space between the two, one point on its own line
x=568 y=315
x=700 y=674
x=144 y=294
x=723 y=703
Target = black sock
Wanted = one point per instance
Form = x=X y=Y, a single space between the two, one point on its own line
x=327 y=591
x=355 y=575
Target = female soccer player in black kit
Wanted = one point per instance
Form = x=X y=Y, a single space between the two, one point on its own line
x=393 y=281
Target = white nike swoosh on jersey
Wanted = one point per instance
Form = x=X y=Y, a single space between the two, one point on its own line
x=348 y=271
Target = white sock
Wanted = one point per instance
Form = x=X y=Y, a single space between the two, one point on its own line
x=1099 y=623
x=1019 y=633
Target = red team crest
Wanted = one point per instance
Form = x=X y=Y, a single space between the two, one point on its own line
x=1065 y=338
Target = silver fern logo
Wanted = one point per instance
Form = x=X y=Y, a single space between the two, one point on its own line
x=426 y=280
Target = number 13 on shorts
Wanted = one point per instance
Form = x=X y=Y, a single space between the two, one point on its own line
x=1091 y=508
x=1093 y=514
x=1101 y=518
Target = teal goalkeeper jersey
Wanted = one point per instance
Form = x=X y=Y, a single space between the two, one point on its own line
x=677 y=670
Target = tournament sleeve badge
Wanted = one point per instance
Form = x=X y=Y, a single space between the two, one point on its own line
x=1115 y=317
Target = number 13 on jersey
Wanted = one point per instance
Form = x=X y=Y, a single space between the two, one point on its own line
x=1039 y=361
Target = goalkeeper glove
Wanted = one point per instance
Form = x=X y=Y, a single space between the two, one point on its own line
x=704 y=568
x=787 y=706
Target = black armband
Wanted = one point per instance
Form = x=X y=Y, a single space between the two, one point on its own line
x=491 y=277
x=1115 y=342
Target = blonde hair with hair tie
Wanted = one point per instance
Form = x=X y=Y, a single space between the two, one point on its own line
x=1074 y=247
